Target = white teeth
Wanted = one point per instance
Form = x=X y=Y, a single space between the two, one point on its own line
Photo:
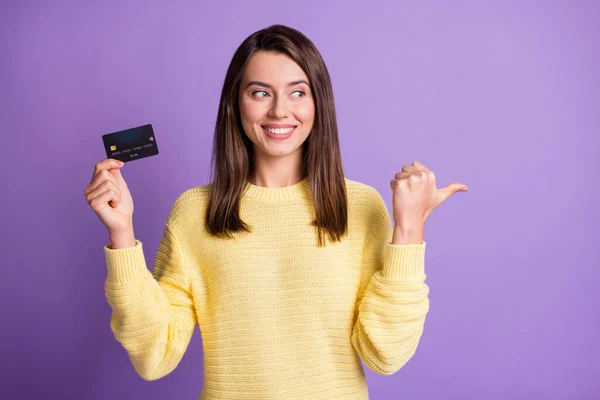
x=279 y=131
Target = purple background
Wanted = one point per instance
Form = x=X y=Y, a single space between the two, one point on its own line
x=501 y=96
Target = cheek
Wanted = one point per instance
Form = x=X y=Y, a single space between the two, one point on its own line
x=305 y=112
x=250 y=111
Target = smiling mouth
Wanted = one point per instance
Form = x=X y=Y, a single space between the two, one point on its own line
x=279 y=131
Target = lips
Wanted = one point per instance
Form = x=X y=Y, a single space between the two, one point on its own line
x=278 y=126
x=279 y=136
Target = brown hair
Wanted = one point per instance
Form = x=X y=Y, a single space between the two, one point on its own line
x=232 y=154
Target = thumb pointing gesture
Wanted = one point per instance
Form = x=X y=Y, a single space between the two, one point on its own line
x=444 y=193
x=415 y=195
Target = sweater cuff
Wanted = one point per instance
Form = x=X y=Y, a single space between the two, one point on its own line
x=404 y=260
x=126 y=264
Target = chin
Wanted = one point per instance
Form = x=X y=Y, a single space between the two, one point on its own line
x=276 y=150
x=280 y=153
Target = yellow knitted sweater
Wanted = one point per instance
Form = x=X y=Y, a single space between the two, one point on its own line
x=280 y=317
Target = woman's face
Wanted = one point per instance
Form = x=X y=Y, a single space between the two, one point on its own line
x=276 y=105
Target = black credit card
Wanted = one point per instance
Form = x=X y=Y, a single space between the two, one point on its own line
x=131 y=144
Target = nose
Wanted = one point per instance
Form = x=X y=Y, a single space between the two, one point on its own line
x=279 y=108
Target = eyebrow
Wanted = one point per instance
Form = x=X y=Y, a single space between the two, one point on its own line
x=259 y=83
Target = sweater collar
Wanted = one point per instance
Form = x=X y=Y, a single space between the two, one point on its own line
x=286 y=193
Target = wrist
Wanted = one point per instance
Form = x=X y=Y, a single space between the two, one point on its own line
x=119 y=240
x=408 y=234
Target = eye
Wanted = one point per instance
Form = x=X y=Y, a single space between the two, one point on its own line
x=259 y=91
x=301 y=92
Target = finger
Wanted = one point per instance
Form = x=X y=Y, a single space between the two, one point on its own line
x=116 y=173
x=395 y=182
x=106 y=164
x=98 y=203
x=457 y=187
x=449 y=190
x=420 y=166
x=103 y=187
x=115 y=201
x=102 y=176
x=402 y=175
x=409 y=168
x=100 y=186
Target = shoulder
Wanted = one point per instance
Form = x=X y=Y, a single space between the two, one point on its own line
x=189 y=204
x=365 y=200
x=368 y=211
x=195 y=194
x=363 y=193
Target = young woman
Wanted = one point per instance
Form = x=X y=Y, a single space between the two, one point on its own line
x=293 y=272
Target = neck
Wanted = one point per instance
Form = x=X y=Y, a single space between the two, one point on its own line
x=277 y=172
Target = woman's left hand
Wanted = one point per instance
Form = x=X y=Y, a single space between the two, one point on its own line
x=415 y=195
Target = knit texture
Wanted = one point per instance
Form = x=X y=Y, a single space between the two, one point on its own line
x=280 y=317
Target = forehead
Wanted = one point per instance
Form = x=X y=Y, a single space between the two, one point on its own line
x=273 y=68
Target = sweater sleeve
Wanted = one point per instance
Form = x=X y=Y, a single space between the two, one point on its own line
x=153 y=315
x=390 y=312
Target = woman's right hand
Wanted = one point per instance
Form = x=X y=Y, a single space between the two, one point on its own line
x=108 y=195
